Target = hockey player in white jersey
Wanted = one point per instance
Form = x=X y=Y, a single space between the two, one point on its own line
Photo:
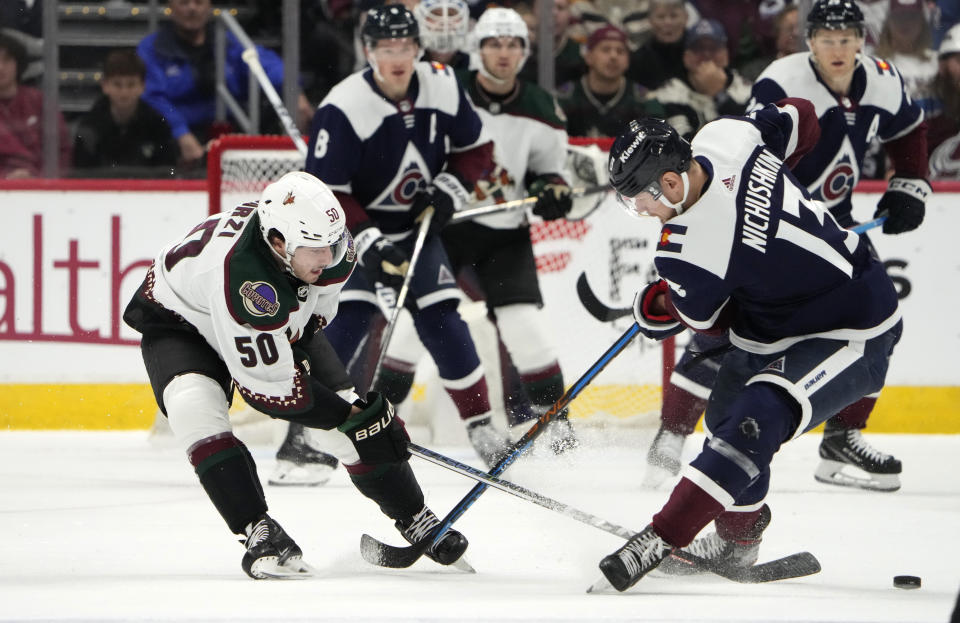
x=527 y=127
x=241 y=302
x=392 y=140
x=857 y=98
x=810 y=311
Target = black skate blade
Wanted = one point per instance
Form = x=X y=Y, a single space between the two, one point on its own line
x=793 y=566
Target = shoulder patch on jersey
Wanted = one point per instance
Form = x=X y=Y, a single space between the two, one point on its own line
x=258 y=293
x=665 y=243
x=882 y=65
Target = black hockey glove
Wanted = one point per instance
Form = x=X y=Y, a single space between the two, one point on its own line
x=376 y=432
x=654 y=325
x=903 y=204
x=553 y=197
x=382 y=260
x=446 y=194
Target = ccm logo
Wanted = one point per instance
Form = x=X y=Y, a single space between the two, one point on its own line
x=376 y=427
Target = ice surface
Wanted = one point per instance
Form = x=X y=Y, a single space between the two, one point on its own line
x=105 y=527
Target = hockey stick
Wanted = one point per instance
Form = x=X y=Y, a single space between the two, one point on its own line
x=378 y=553
x=594 y=306
x=402 y=295
x=252 y=59
x=792 y=566
x=862 y=227
x=496 y=208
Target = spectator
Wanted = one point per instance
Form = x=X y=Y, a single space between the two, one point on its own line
x=944 y=129
x=21 y=121
x=709 y=88
x=568 y=62
x=750 y=26
x=786 y=28
x=905 y=40
x=603 y=102
x=180 y=82
x=661 y=58
x=121 y=135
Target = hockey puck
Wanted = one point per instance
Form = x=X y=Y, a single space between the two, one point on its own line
x=906 y=581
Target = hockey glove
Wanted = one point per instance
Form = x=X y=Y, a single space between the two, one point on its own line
x=655 y=324
x=376 y=432
x=446 y=194
x=903 y=204
x=553 y=197
x=381 y=260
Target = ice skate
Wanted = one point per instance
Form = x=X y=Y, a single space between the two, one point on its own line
x=663 y=458
x=641 y=554
x=848 y=460
x=298 y=464
x=733 y=553
x=423 y=525
x=271 y=553
x=490 y=443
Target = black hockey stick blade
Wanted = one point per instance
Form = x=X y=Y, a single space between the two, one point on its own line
x=793 y=566
x=383 y=555
x=595 y=306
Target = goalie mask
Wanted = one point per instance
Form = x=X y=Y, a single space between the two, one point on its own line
x=494 y=23
x=443 y=24
x=641 y=155
x=304 y=211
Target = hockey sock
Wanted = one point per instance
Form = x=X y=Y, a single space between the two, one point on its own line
x=396 y=380
x=681 y=410
x=391 y=485
x=686 y=513
x=743 y=526
x=228 y=474
x=543 y=387
x=854 y=415
x=469 y=395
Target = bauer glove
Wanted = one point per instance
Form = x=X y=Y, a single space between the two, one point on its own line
x=554 y=200
x=903 y=204
x=446 y=194
x=376 y=432
x=380 y=259
x=654 y=324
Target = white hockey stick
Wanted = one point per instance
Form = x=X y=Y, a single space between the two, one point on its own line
x=496 y=208
x=252 y=59
x=402 y=295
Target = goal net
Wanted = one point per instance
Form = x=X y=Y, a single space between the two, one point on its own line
x=612 y=251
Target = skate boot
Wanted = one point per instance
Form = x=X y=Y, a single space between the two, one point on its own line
x=642 y=553
x=490 y=443
x=848 y=460
x=298 y=464
x=271 y=553
x=738 y=552
x=423 y=525
x=663 y=458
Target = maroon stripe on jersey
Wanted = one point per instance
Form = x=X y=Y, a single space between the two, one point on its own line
x=909 y=153
x=205 y=448
x=471 y=165
x=472 y=401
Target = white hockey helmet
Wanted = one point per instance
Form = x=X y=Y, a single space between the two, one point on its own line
x=443 y=24
x=304 y=211
x=498 y=22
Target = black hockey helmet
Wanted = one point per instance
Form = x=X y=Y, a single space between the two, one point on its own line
x=649 y=148
x=392 y=21
x=834 y=15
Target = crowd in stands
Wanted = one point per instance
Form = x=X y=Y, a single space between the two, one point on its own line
x=687 y=61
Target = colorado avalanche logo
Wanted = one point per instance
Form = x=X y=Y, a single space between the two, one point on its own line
x=839 y=182
x=408 y=185
x=259 y=298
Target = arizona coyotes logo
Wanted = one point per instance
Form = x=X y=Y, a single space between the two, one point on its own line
x=289 y=198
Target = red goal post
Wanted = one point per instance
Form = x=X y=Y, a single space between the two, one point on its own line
x=240 y=166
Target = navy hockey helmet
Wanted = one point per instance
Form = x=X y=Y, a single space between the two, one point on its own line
x=392 y=21
x=835 y=15
x=649 y=148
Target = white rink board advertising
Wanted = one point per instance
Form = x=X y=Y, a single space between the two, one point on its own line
x=69 y=262
x=71 y=259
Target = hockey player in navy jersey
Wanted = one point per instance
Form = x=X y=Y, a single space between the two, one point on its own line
x=856 y=98
x=240 y=303
x=809 y=309
x=392 y=140
x=527 y=126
